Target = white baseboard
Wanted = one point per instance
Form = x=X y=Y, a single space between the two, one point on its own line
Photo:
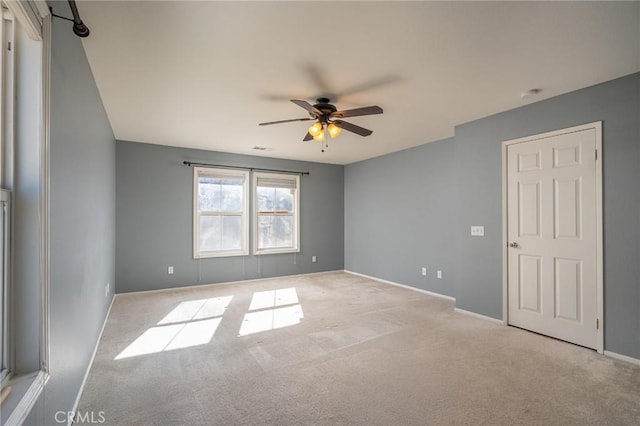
x=253 y=280
x=479 y=316
x=632 y=360
x=408 y=287
x=93 y=356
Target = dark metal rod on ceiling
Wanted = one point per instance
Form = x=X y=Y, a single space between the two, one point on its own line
x=256 y=169
x=79 y=28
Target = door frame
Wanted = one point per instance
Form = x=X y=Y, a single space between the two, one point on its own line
x=597 y=126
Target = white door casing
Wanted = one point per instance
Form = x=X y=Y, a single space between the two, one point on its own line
x=553 y=229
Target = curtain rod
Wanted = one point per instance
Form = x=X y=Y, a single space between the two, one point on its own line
x=79 y=28
x=257 y=169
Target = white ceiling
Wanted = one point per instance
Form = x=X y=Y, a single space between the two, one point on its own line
x=204 y=74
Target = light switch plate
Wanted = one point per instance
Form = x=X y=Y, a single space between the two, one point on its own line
x=477 y=231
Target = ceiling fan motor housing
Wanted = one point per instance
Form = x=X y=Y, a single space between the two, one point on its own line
x=325 y=107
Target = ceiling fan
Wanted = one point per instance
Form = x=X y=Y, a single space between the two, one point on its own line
x=327 y=117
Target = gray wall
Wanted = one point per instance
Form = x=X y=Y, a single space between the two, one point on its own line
x=470 y=168
x=478 y=186
x=154 y=220
x=397 y=216
x=82 y=221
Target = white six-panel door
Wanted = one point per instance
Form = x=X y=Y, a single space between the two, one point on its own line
x=552 y=235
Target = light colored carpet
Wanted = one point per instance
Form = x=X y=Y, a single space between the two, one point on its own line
x=363 y=353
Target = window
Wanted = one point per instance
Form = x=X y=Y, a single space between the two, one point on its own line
x=276 y=220
x=220 y=213
x=25 y=53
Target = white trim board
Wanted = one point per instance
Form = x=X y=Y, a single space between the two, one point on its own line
x=408 y=287
x=195 y=286
x=620 y=357
x=93 y=356
x=480 y=316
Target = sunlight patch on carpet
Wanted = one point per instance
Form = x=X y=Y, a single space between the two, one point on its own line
x=191 y=323
x=271 y=319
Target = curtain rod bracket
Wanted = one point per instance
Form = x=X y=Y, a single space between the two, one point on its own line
x=59 y=16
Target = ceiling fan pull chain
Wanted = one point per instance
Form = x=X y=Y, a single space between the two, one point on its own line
x=326 y=139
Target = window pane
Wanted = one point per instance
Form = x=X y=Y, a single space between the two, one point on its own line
x=275 y=231
x=271 y=199
x=220 y=233
x=220 y=194
x=285 y=199
x=266 y=198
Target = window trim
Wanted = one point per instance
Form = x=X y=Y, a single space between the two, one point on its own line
x=35 y=19
x=5 y=287
x=7 y=83
x=218 y=172
x=296 y=214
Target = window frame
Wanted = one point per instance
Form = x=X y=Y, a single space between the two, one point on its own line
x=7 y=79
x=31 y=21
x=256 y=214
x=5 y=286
x=244 y=214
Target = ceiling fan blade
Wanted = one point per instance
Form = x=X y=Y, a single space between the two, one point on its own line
x=317 y=78
x=370 y=110
x=352 y=128
x=306 y=105
x=284 y=121
x=368 y=85
x=308 y=137
x=275 y=97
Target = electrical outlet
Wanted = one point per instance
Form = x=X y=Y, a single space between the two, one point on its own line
x=106 y=290
x=477 y=231
x=439 y=274
x=424 y=271
x=170 y=270
x=313 y=259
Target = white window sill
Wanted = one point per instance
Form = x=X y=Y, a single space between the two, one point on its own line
x=207 y=255
x=25 y=391
x=277 y=251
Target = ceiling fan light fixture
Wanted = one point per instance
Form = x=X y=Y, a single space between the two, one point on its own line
x=319 y=137
x=334 y=131
x=328 y=118
x=316 y=129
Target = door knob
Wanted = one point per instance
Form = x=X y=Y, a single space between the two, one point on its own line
x=514 y=245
